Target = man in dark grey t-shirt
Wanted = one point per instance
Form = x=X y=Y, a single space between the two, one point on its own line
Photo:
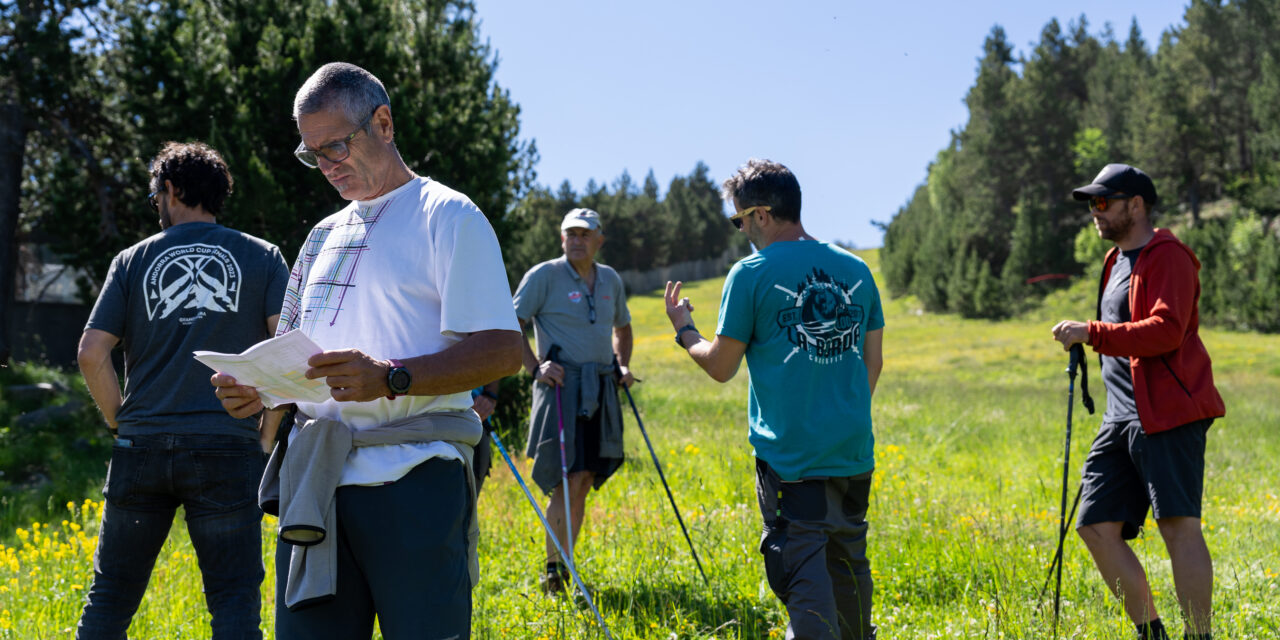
x=195 y=285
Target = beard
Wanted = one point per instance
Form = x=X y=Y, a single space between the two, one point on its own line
x=166 y=220
x=754 y=235
x=1117 y=228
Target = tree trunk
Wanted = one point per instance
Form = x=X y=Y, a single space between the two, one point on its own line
x=12 y=142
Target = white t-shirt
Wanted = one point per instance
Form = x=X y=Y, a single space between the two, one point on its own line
x=407 y=274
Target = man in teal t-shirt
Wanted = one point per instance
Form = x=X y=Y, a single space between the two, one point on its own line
x=807 y=316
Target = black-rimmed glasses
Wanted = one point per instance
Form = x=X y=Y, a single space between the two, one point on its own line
x=334 y=152
x=591 y=308
x=153 y=201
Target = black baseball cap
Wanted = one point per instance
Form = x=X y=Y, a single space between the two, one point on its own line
x=1119 y=178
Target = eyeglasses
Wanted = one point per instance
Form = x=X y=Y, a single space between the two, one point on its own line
x=736 y=219
x=155 y=203
x=334 y=152
x=591 y=308
x=1100 y=203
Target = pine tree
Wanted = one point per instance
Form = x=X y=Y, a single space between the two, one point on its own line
x=225 y=72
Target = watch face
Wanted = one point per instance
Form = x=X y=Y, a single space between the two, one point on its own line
x=398 y=380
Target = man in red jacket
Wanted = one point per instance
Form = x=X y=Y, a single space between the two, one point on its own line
x=1149 y=451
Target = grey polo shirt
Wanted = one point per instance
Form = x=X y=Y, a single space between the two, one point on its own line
x=558 y=301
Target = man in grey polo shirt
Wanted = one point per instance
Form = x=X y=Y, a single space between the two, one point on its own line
x=578 y=311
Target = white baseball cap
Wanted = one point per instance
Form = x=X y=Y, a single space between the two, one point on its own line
x=583 y=218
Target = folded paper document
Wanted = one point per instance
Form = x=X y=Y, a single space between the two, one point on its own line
x=276 y=368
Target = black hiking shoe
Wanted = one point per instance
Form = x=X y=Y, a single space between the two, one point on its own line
x=554 y=578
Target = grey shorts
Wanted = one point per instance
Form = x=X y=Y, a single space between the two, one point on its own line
x=1129 y=471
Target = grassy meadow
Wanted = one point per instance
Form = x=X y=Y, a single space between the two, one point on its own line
x=970 y=419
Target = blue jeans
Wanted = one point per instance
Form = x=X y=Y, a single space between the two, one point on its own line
x=215 y=480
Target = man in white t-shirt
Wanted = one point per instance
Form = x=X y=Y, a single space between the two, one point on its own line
x=405 y=290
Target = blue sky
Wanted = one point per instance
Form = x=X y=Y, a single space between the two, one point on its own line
x=855 y=97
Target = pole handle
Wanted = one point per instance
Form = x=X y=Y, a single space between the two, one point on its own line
x=553 y=354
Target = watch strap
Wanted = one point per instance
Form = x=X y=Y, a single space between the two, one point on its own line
x=680 y=333
x=395 y=364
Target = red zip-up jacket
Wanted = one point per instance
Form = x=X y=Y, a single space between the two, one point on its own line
x=1172 y=374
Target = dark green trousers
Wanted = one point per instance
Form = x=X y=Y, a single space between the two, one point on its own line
x=402 y=557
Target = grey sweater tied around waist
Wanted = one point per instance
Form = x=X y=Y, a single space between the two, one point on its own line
x=588 y=388
x=302 y=484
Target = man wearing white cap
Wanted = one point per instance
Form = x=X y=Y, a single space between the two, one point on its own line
x=578 y=311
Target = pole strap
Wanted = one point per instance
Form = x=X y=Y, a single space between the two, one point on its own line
x=1078 y=359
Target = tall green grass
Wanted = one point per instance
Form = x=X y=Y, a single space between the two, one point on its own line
x=970 y=420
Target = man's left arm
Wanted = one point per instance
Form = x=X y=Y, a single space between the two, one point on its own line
x=873 y=356
x=622 y=342
x=478 y=359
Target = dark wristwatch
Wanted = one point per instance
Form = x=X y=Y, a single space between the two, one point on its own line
x=680 y=332
x=398 y=379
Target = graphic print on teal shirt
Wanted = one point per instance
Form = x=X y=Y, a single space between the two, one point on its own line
x=824 y=322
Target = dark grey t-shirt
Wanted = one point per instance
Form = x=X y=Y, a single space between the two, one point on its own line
x=1116 y=375
x=194 y=286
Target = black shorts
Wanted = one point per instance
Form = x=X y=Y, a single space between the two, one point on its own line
x=1128 y=471
x=587 y=448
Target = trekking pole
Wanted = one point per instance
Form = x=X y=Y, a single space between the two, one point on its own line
x=573 y=570
x=1077 y=358
x=564 y=462
x=658 y=465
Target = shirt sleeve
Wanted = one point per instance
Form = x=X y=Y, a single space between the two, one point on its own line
x=531 y=294
x=474 y=293
x=737 y=307
x=277 y=281
x=621 y=314
x=875 y=314
x=291 y=305
x=110 y=310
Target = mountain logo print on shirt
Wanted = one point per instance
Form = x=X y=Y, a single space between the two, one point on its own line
x=189 y=280
x=823 y=320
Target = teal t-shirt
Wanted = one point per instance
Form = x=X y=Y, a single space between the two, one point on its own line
x=803 y=309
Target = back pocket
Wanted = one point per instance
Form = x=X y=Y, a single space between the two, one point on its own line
x=228 y=478
x=124 y=474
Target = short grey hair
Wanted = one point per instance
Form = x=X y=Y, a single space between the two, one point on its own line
x=340 y=86
x=765 y=183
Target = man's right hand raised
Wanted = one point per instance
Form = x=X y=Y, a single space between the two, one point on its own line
x=679 y=310
x=238 y=400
